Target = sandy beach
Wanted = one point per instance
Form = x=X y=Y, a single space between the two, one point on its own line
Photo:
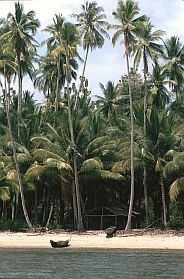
x=91 y=240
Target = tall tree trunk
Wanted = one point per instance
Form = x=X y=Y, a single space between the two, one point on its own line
x=16 y=206
x=19 y=87
x=77 y=188
x=163 y=198
x=50 y=214
x=36 y=206
x=74 y=204
x=19 y=109
x=13 y=208
x=82 y=77
x=57 y=85
x=16 y=162
x=145 y=130
x=47 y=209
x=129 y=220
x=80 y=225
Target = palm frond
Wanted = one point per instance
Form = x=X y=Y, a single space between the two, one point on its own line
x=176 y=188
x=91 y=164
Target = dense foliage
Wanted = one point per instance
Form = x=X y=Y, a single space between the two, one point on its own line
x=75 y=151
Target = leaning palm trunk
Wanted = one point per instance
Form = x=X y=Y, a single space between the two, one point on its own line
x=129 y=221
x=16 y=162
x=74 y=204
x=50 y=214
x=163 y=199
x=82 y=77
x=145 y=130
x=77 y=189
x=19 y=87
x=57 y=85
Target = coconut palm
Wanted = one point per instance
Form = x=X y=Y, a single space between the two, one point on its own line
x=67 y=40
x=52 y=43
x=159 y=95
x=161 y=140
x=16 y=160
x=92 y=28
x=56 y=50
x=109 y=100
x=18 y=36
x=126 y=13
x=46 y=77
x=8 y=67
x=174 y=171
x=173 y=54
x=146 y=47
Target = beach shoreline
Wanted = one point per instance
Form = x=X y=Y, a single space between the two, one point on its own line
x=91 y=239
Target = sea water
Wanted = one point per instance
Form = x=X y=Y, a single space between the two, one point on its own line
x=67 y=263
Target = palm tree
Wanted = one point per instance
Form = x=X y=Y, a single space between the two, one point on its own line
x=160 y=142
x=110 y=99
x=173 y=54
x=91 y=23
x=126 y=13
x=67 y=40
x=159 y=95
x=18 y=36
x=174 y=171
x=146 y=47
x=52 y=43
x=7 y=94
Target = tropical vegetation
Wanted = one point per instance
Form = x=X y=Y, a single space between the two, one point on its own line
x=77 y=151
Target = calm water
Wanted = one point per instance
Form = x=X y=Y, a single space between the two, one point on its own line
x=70 y=263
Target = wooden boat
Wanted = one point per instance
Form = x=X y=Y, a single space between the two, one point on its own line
x=59 y=244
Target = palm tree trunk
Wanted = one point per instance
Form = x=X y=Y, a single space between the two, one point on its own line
x=82 y=76
x=77 y=188
x=16 y=206
x=50 y=214
x=74 y=204
x=19 y=87
x=16 y=162
x=36 y=206
x=129 y=220
x=163 y=199
x=13 y=208
x=19 y=109
x=145 y=130
x=145 y=179
x=80 y=225
x=57 y=85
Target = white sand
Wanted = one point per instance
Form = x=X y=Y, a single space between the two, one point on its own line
x=89 y=240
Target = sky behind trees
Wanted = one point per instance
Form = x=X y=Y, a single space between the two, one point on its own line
x=107 y=63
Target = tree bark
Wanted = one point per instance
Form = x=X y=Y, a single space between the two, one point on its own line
x=50 y=214
x=163 y=199
x=77 y=188
x=74 y=204
x=129 y=220
x=80 y=225
x=145 y=130
x=82 y=76
x=36 y=206
x=57 y=85
x=19 y=87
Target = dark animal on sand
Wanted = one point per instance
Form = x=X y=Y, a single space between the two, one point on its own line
x=110 y=231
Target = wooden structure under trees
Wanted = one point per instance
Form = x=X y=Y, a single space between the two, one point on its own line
x=103 y=217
